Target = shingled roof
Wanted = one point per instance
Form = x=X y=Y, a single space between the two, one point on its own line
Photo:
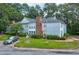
x=44 y=20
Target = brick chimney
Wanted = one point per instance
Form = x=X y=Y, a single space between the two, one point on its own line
x=38 y=25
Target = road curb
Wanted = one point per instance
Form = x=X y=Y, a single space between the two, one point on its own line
x=39 y=49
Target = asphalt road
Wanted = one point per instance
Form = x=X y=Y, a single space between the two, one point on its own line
x=9 y=50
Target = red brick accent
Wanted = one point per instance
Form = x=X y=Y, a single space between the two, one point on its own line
x=38 y=25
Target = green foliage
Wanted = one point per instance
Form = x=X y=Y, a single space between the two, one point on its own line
x=66 y=34
x=22 y=34
x=15 y=28
x=3 y=25
x=19 y=34
x=36 y=36
x=22 y=8
x=7 y=10
x=10 y=33
x=49 y=37
x=50 y=9
x=35 y=11
x=8 y=13
x=32 y=13
x=53 y=37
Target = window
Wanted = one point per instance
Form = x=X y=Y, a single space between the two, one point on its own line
x=26 y=26
x=31 y=32
x=34 y=27
x=31 y=27
x=44 y=25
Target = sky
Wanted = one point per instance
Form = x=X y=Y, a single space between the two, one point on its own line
x=41 y=4
x=33 y=4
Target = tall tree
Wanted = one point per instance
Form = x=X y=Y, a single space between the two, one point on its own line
x=32 y=13
x=40 y=10
x=10 y=12
x=50 y=9
x=3 y=25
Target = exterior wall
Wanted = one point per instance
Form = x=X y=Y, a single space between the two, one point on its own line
x=51 y=28
x=62 y=29
x=25 y=28
x=65 y=28
x=47 y=28
x=31 y=28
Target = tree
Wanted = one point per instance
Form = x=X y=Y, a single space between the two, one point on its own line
x=69 y=14
x=40 y=10
x=50 y=9
x=11 y=12
x=25 y=7
x=35 y=11
x=3 y=25
x=15 y=28
x=22 y=8
x=32 y=13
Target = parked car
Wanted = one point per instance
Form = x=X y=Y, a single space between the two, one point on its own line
x=10 y=40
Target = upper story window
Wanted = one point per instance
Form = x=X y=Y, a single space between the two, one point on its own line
x=31 y=27
x=26 y=26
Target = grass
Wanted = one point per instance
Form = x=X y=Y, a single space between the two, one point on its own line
x=40 y=43
x=3 y=37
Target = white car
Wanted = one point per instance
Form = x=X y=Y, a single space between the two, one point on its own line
x=10 y=40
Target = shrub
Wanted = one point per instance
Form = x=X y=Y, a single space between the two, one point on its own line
x=66 y=35
x=49 y=37
x=10 y=33
x=62 y=38
x=22 y=34
x=53 y=37
x=36 y=36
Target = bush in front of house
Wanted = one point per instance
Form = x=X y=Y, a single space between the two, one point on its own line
x=10 y=33
x=66 y=35
x=19 y=34
x=53 y=37
x=49 y=37
x=22 y=34
x=62 y=38
x=36 y=36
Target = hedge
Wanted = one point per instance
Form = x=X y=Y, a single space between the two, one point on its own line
x=36 y=36
x=20 y=34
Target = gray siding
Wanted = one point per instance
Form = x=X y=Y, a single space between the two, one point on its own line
x=47 y=28
x=31 y=28
x=51 y=28
x=25 y=28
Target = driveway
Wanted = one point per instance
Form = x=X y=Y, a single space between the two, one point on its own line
x=9 y=50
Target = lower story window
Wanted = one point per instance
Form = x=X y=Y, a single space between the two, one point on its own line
x=31 y=32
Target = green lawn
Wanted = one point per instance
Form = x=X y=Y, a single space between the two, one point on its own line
x=3 y=37
x=40 y=43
